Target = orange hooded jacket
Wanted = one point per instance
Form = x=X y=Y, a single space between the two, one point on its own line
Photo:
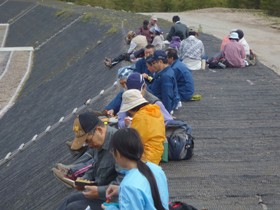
x=149 y=122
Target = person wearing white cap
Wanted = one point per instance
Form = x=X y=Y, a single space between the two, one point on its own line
x=153 y=23
x=234 y=52
x=148 y=120
x=226 y=40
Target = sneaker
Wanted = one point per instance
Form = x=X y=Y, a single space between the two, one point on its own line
x=108 y=62
x=196 y=97
x=69 y=143
x=61 y=177
x=63 y=168
x=179 y=105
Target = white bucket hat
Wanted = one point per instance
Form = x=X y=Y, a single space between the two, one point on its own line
x=130 y=99
x=233 y=35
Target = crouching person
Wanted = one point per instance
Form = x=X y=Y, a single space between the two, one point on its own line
x=103 y=171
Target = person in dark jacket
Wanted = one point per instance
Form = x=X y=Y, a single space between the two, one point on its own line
x=164 y=85
x=177 y=29
x=141 y=66
x=104 y=171
x=145 y=30
x=183 y=76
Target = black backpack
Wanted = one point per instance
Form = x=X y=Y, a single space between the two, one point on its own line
x=180 y=140
x=177 y=205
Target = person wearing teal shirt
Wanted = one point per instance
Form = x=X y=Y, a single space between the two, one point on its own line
x=142 y=182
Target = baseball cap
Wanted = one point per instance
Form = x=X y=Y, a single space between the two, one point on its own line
x=124 y=72
x=158 y=55
x=135 y=81
x=83 y=124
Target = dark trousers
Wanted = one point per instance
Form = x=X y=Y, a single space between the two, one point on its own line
x=77 y=201
x=126 y=56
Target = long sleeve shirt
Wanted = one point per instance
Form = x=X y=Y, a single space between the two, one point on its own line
x=137 y=43
x=234 y=53
x=104 y=170
x=135 y=191
x=184 y=80
x=192 y=48
x=165 y=88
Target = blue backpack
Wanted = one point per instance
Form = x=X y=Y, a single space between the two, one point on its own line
x=180 y=140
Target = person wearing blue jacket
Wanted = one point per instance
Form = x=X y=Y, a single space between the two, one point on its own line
x=164 y=85
x=142 y=181
x=141 y=66
x=183 y=76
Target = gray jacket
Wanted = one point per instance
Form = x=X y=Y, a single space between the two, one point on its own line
x=104 y=171
x=178 y=29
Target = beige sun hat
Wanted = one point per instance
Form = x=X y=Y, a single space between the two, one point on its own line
x=131 y=99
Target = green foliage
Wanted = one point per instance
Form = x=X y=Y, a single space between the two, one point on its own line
x=87 y=16
x=112 y=30
x=63 y=13
x=271 y=6
x=60 y=13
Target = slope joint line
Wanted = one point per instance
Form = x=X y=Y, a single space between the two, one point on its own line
x=4 y=3
x=250 y=82
x=20 y=15
x=36 y=137
x=7 y=67
x=60 y=31
x=5 y=36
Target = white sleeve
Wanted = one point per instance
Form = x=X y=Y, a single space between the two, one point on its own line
x=132 y=46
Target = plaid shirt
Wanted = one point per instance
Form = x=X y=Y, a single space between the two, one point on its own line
x=192 y=48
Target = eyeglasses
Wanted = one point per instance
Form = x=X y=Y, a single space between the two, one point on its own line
x=90 y=134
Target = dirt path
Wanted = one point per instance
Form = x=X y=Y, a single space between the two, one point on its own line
x=262 y=33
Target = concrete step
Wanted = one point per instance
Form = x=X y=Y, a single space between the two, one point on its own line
x=13 y=77
x=4 y=57
x=3 y=33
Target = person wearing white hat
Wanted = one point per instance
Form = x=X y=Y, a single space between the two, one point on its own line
x=153 y=24
x=148 y=120
x=234 y=52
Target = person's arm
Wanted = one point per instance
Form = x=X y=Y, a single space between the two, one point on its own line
x=170 y=34
x=132 y=46
x=115 y=104
x=167 y=116
x=243 y=54
x=121 y=122
x=131 y=198
x=203 y=50
x=167 y=91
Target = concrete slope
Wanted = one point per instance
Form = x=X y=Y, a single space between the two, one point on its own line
x=10 y=10
x=236 y=124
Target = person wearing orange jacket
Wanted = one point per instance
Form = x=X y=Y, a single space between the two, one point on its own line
x=148 y=120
